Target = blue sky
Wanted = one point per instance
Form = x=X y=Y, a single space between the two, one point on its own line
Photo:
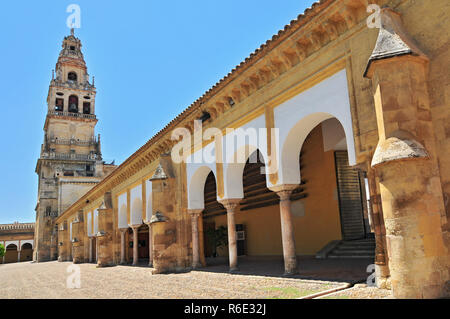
x=150 y=59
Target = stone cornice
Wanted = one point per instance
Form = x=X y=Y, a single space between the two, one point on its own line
x=324 y=22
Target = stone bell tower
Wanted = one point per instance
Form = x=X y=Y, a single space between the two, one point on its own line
x=70 y=161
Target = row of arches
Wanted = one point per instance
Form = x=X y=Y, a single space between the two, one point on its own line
x=73 y=105
x=292 y=122
x=17 y=252
x=294 y=209
x=133 y=223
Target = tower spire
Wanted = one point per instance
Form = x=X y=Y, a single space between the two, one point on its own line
x=72 y=32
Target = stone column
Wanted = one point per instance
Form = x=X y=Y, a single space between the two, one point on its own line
x=18 y=254
x=230 y=205
x=287 y=228
x=122 y=245
x=406 y=164
x=90 y=249
x=195 y=214
x=150 y=245
x=96 y=249
x=381 y=262
x=135 y=244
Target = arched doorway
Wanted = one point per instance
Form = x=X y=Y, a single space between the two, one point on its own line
x=11 y=254
x=143 y=242
x=26 y=252
x=214 y=242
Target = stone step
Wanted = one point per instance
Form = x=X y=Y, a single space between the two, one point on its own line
x=351 y=256
x=362 y=248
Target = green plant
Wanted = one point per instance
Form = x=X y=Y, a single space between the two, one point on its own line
x=2 y=250
x=218 y=237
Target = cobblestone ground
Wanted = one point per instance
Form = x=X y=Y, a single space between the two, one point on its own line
x=360 y=292
x=48 y=280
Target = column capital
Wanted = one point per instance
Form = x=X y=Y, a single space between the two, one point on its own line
x=135 y=227
x=231 y=203
x=123 y=230
x=195 y=212
x=284 y=191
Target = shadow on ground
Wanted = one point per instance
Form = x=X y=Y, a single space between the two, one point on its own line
x=345 y=270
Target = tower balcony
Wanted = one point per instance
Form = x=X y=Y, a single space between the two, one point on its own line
x=71 y=156
x=71 y=114
x=72 y=141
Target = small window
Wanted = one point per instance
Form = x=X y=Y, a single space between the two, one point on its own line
x=73 y=104
x=59 y=105
x=72 y=76
x=72 y=47
x=86 y=108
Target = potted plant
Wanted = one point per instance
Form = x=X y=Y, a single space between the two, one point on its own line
x=218 y=237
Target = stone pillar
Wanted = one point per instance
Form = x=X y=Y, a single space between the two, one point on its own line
x=287 y=228
x=104 y=240
x=406 y=164
x=18 y=254
x=195 y=214
x=97 y=251
x=135 y=244
x=90 y=249
x=62 y=242
x=150 y=245
x=376 y=211
x=122 y=245
x=78 y=239
x=230 y=205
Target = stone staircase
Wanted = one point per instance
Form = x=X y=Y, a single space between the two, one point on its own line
x=360 y=248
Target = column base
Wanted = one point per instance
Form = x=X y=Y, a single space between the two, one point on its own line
x=196 y=266
x=234 y=270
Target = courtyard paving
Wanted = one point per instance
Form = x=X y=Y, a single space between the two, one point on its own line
x=49 y=280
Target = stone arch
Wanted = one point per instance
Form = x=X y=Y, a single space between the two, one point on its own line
x=233 y=172
x=95 y=216
x=196 y=185
x=149 y=200
x=296 y=118
x=11 y=253
x=123 y=221
x=136 y=211
x=26 y=251
x=11 y=246
x=26 y=246
x=289 y=170
x=30 y=242
x=136 y=205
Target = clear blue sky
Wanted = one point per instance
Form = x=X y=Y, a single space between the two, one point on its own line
x=150 y=59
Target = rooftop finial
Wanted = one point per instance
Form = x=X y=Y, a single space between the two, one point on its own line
x=72 y=32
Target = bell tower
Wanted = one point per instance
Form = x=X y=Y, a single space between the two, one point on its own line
x=70 y=161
